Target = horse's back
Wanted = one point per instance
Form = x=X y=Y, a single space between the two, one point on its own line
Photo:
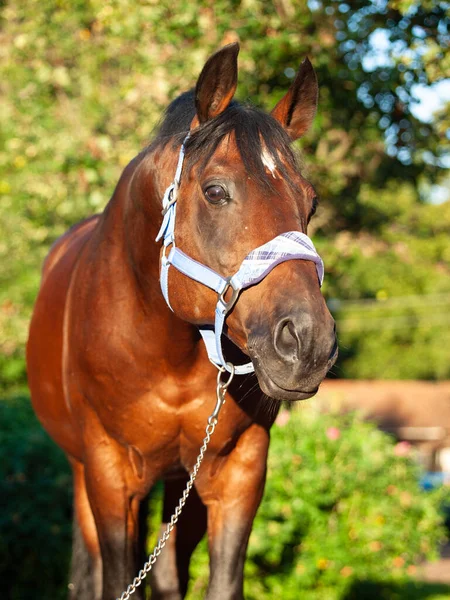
x=46 y=339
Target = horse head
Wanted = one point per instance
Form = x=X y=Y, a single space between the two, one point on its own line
x=240 y=187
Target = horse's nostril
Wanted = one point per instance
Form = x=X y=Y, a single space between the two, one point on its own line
x=286 y=341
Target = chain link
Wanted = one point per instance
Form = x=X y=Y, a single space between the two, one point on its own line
x=221 y=391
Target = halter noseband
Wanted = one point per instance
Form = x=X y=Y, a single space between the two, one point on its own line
x=255 y=266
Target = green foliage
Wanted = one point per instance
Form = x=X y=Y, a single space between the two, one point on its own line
x=35 y=520
x=83 y=84
x=342 y=515
x=394 y=323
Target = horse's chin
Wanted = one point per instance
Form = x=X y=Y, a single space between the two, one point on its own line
x=273 y=390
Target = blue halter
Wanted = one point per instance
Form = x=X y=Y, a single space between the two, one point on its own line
x=255 y=266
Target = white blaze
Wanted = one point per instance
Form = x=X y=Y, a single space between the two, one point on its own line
x=268 y=162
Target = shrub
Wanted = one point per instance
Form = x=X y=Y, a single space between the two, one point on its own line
x=342 y=516
x=35 y=520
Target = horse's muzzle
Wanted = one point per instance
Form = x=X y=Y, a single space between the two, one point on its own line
x=293 y=359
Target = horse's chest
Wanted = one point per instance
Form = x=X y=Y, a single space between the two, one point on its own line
x=164 y=426
x=157 y=424
x=164 y=442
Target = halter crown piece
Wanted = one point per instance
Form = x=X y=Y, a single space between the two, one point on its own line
x=255 y=266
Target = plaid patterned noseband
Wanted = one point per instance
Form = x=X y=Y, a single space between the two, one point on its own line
x=255 y=266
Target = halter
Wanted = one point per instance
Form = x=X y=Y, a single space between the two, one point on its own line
x=254 y=268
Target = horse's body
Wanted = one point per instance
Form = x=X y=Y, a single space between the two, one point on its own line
x=125 y=386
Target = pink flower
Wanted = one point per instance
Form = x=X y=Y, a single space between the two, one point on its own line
x=333 y=433
x=283 y=418
x=402 y=449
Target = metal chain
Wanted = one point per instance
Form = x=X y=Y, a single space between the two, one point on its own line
x=221 y=390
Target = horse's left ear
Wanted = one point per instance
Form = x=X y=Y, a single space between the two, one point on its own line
x=217 y=83
x=297 y=109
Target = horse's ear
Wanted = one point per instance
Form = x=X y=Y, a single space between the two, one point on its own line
x=217 y=83
x=296 y=110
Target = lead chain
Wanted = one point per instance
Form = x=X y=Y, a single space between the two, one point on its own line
x=222 y=387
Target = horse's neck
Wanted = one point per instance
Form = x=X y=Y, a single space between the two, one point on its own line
x=132 y=221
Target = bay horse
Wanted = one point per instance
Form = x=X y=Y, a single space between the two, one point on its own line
x=122 y=381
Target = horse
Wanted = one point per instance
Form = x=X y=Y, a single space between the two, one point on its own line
x=118 y=372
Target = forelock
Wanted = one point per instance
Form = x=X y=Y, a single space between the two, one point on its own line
x=257 y=135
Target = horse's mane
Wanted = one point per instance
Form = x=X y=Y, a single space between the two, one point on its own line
x=253 y=129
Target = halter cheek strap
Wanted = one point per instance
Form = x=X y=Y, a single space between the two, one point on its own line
x=255 y=266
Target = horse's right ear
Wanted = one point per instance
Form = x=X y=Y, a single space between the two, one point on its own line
x=296 y=110
x=217 y=83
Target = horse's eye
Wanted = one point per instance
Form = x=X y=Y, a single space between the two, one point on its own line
x=216 y=194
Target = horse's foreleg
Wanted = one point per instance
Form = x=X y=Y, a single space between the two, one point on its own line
x=170 y=575
x=116 y=514
x=86 y=569
x=232 y=496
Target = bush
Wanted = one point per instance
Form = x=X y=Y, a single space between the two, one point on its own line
x=342 y=516
x=35 y=520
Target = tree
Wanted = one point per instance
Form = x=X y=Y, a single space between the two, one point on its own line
x=85 y=82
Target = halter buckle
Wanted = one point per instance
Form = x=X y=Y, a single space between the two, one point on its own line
x=228 y=304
